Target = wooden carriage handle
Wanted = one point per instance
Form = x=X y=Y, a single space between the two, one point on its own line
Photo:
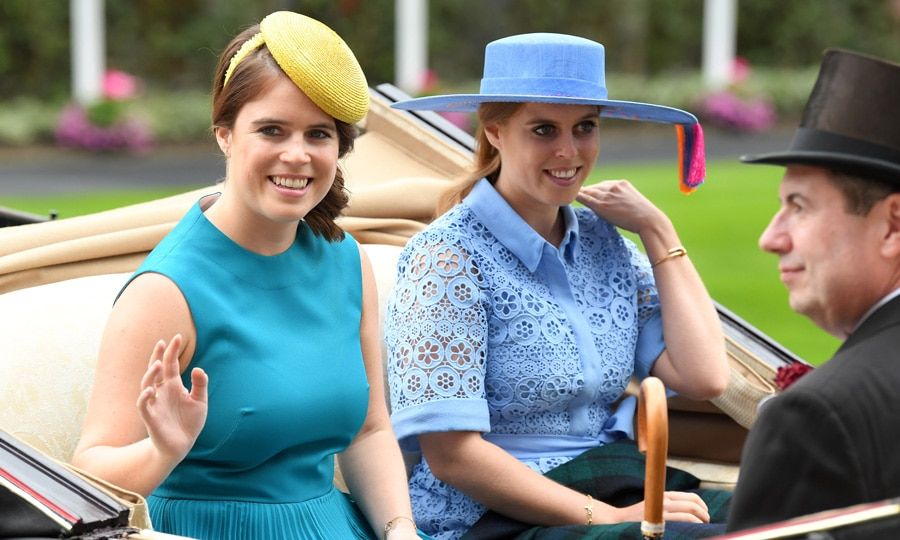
x=653 y=440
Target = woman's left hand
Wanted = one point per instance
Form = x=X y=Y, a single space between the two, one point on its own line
x=621 y=204
x=172 y=414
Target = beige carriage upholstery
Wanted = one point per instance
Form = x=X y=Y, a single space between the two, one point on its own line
x=58 y=280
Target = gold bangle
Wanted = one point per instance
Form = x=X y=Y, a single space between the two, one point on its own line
x=589 y=510
x=389 y=526
x=674 y=253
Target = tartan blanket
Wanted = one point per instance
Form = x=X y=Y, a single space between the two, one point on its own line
x=612 y=473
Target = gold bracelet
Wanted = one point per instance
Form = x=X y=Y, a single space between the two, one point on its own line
x=674 y=253
x=389 y=526
x=589 y=510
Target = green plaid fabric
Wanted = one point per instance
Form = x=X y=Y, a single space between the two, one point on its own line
x=612 y=473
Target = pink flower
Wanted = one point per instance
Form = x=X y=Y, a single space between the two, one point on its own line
x=727 y=109
x=429 y=80
x=462 y=120
x=75 y=130
x=118 y=85
x=740 y=70
x=788 y=375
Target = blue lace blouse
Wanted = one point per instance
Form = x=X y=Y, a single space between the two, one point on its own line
x=490 y=328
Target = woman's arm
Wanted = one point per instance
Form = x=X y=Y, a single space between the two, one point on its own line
x=141 y=421
x=694 y=362
x=496 y=479
x=372 y=465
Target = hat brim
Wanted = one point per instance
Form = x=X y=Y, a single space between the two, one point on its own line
x=831 y=160
x=610 y=108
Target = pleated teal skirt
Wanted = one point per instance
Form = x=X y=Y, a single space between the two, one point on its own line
x=332 y=515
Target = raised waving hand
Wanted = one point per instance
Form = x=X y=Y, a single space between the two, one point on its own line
x=173 y=414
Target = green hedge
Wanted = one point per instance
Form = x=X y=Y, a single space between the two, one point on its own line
x=177 y=117
x=173 y=118
x=173 y=44
x=787 y=88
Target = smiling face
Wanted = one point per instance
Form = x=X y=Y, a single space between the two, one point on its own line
x=282 y=156
x=830 y=260
x=546 y=152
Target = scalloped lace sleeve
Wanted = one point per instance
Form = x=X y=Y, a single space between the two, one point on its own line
x=436 y=332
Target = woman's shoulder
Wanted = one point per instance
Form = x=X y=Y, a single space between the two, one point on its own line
x=179 y=242
x=598 y=234
x=451 y=228
x=591 y=224
x=347 y=244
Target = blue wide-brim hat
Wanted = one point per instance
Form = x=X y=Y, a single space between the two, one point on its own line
x=568 y=70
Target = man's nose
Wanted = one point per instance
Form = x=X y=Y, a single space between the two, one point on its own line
x=775 y=238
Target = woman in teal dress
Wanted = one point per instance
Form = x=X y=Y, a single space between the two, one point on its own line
x=274 y=367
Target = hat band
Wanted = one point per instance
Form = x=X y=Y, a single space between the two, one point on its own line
x=255 y=41
x=816 y=140
x=543 y=87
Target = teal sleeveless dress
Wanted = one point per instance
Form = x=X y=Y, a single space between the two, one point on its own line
x=279 y=338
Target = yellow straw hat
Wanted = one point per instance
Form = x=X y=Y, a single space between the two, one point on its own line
x=316 y=59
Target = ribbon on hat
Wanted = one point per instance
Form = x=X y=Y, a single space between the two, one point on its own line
x=691 y=157
x=316 y=59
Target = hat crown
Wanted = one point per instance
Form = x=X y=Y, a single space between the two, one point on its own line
x=851 y=122
x=545 y=64
x=319 y=62
x=856 y=96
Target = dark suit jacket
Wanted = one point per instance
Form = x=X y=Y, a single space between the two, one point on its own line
x=833 y=438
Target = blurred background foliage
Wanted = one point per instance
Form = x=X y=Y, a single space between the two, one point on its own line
x=653 y=46
x=654 y=54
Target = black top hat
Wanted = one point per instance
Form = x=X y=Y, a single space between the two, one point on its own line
x=851 y=122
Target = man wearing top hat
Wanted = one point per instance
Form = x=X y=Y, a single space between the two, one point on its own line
x=833 y=439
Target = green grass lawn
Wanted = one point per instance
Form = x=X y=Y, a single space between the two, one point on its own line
x=719 y=224
x=77 y=204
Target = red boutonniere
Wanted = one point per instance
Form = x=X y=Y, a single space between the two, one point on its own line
x=788 y=375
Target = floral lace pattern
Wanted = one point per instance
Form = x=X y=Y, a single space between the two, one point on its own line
x=469 y=322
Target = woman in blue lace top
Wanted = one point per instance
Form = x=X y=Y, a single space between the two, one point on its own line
x=517 y=320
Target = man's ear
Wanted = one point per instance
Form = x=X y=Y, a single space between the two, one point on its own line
x=223 y=137
x=890 y=246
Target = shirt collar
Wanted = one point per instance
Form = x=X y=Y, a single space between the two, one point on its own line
x=513 y=232
x=890 y=296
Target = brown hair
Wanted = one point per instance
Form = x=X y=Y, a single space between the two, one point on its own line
x=253 y=75
x=487 y=158
x=861 y=193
